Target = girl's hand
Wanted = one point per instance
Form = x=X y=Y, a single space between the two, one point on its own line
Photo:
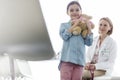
x=89 y=25
x=74 y=22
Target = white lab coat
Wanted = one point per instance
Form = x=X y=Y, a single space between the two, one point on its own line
x=107 y=54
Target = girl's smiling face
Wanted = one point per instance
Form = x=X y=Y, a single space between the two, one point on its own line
x=74 y=11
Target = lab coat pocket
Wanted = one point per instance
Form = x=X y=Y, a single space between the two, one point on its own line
x=105 y=53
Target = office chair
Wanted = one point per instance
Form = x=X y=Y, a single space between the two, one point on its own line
x=21 y=69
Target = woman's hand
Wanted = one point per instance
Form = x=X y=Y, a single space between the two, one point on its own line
x=87 y=66
x=92 y=67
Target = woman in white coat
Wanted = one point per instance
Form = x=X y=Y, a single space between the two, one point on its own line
x=102 y=54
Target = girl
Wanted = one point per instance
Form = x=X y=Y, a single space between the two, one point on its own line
x=73 y=51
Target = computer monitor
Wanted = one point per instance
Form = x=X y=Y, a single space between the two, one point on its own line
x=23 y=31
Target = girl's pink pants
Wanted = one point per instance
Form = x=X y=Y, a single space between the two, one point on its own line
x=70 y=71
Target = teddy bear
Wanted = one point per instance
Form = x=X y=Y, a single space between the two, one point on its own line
x=82 y=28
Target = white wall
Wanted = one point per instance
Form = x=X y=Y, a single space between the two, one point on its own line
x=55 y=13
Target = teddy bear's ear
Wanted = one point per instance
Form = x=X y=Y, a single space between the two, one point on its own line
x=86 y=16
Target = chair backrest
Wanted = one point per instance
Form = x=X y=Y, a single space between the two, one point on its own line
x=5 y=66
x=24 y=68
x=23 y=31
x=21 y=68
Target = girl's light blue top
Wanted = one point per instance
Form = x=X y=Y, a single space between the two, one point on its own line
x=73 y=49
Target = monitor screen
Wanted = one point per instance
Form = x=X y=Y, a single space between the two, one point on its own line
x=23 y=31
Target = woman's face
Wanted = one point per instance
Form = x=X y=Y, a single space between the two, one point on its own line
x=104 y=27
x=74 y=11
